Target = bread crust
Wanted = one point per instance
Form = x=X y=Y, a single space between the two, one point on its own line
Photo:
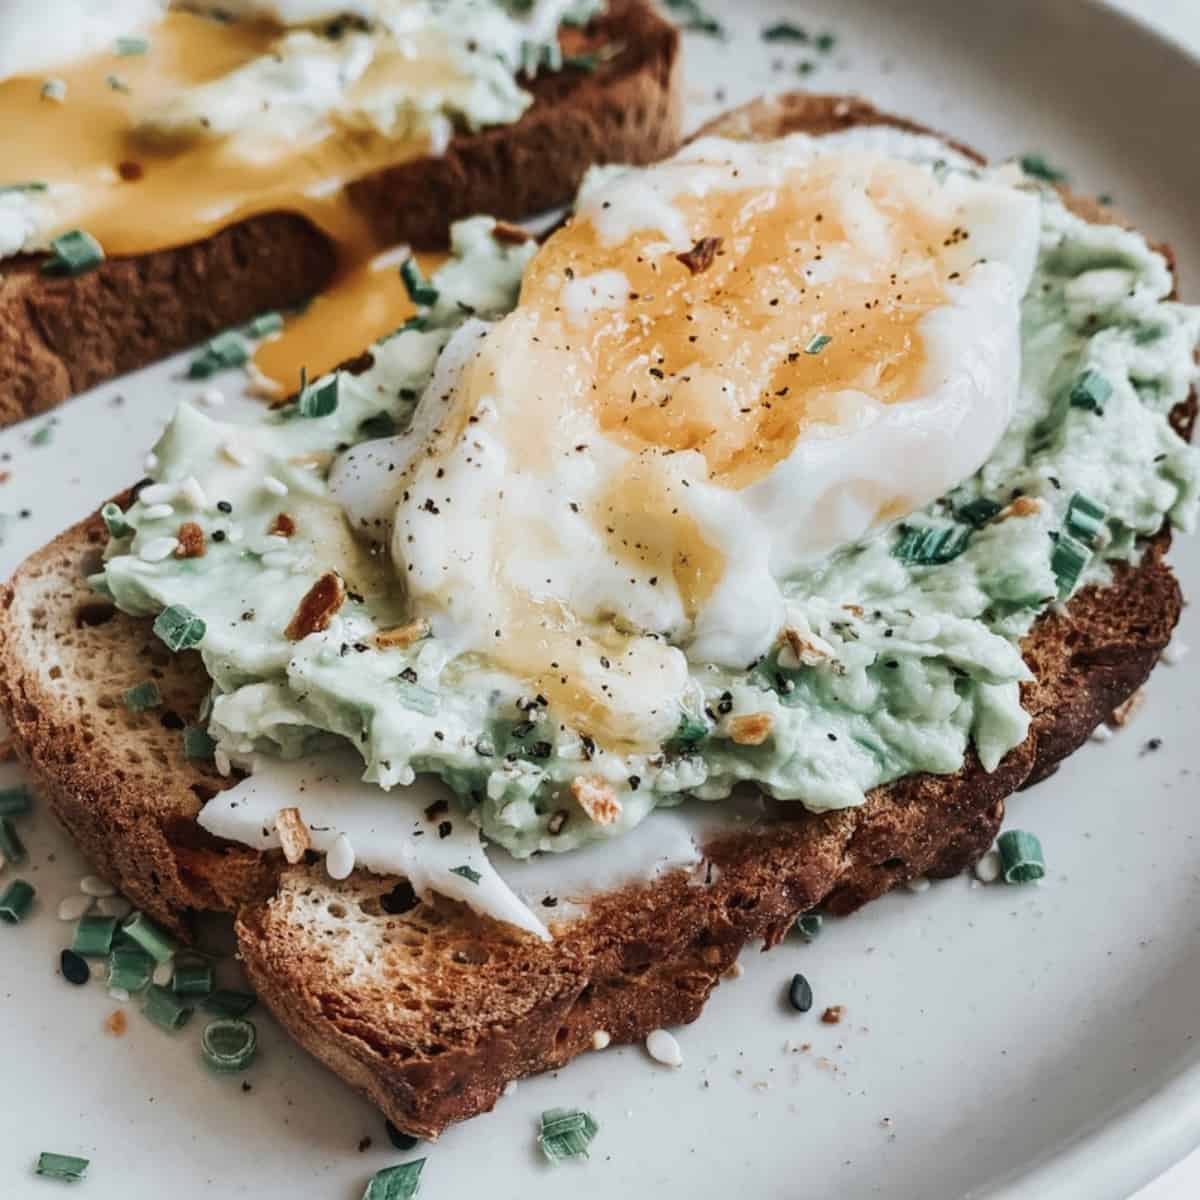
x=60 y=336
x=453 y=1006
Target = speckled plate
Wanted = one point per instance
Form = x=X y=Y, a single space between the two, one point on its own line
x=996 y=1041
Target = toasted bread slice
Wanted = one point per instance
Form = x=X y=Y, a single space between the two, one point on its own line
x=431 y=1010
x=59 y=336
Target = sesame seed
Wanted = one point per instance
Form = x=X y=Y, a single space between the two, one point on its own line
x=275 y=486
x=158 y=493
x=156 y=512
x=156 y=549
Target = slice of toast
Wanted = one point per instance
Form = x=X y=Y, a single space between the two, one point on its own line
x=61 y=335
x=429 y=1010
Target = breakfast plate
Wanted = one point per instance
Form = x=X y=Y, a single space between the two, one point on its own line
x=993 y=1041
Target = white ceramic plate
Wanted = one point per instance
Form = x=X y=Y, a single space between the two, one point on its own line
x=997 y=1041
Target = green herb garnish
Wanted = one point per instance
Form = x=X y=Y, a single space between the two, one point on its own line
x=61 y=1166
x=156 y=942
x=825 y=42
x=34 y=185
x=396 y=1183
x=16 y=901
x=978 y=512
x=15 y=801
x=197 y=744
x=1036 y=166
x=694 y=18
x=164 y=1009
x=12 y=849
x=130 y=967
x=1091 y=391
x=1067 y=561
x=1085 y=519
x=317 y=399
x=73 y=253
x=467 y=873
x=420 y=291
x=94 y=936
x=227 y=349
x=130 y=46
x=229 y=1044
x=142 y=696
x=566 y=1133
x=227 y=1002
x=1021 y=858
x=690 y=730
x=818 y=343
x=265 y=323
x=785 y=31
x=179 y=627
x=927 y=547
x=193 y=979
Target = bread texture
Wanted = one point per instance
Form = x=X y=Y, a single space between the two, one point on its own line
x=427 y=1008
x=59 y=335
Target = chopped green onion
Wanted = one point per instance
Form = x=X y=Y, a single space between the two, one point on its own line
x=197 y=744
x=690 y=730
x=318 y=399
x=566 y=1133
x=1067 y=561
x=130 y=967
x=1085 y=519
x=11 y=846
x=818 y=343
x=62 y=1166
x=931 y=547
x=785 y=31
x=164 y=1009
x=43 y=436
x=808 y=926
x=227 y=1002
x=195 y=979
x=396 y=1183
x=414 y=696
x=15 y=801
x=825 y=42
x=420 y=291
x=35 y=185
x=1021 y=858
x=1039 y=168
x=128 y=46
x=468 y=873
x=265 y=323
x=73 y=253
x=978 y=512
x=179 y=627
x=54 y=89
x=94 y=936
x=142 y=696
x=15 y=901
x=229 y=1044
x=226 y=350
x=1091 y=391
x=114 y=521
x=695 y=19
x=156 y=942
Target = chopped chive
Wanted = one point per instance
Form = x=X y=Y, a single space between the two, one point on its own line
x=179 y=627
x=194 y=979
x=11 y=846
x=978 y=512
x=15 y=801
x=43 y=436
x=226 y=350
x=818 y=343
x=54 y=89
x=62 y=1166
x=566 y=1133
x=129 y=967
x=16 y=901
x=129 y=46
x=34 y=185
x=420 y=291
x=396 y=1183
x=1067 y=561
x=808 y=926
x=1021 y=859
x=1085 y=519
x=164 y=1009
x=1039 y=168
x=229 y=1044
x=94 y=936
x=785 y=31
x=197 y=744
x=228 y=1002
x=1091 y=391
x=800 y=994
x=74 y=968
x=931 y=547
x=695 y=19
x=265 y=323
x=142 y=696
x=467 y=873
x=114 y=521
x=73 y=253
x=825 y=42
x=156 y=942
x=318 y=399
x=690 y=730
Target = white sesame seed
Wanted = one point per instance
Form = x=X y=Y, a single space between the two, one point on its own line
x=73 y=907
x=120 y=995
x=158 y=493
x=150 y=462
x=918 y=885
x=93 y=885
x=164 y=973
x=156 y=549
x=1102 y=732
x=987 y=869
x=193 y=493
x=212 y=397
x=339 y=862
x=156 y=512
x=1174 y=653
x=235 y=453
x=663 y=1048
x=114 y=906
x=275 y=486
x=601 y=1039
x=221 y=760
x=509 y=1088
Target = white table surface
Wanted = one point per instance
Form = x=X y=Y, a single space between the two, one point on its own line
x=1179 y=19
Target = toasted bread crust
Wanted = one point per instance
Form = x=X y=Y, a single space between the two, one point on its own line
x=433 y=1041
x=59 y=336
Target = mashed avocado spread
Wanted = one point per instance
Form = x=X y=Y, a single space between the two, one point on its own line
x=903 y=650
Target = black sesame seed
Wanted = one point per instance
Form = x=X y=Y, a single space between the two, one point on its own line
x=800 y=995
x=445 y=829
x=74 y=968
x=224 y=506
x=402 y=1141
x=540 y=750
x=218 y=535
